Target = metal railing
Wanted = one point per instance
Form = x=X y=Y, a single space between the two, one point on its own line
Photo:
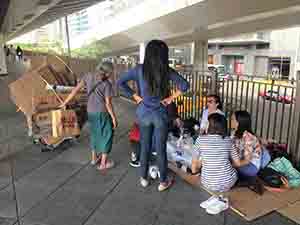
x=270 y=104
x=273 y=104
x=191 y=104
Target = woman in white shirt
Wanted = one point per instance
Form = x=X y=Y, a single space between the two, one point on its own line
x=214 y=105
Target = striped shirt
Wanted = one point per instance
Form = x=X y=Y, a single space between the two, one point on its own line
x=215 y=153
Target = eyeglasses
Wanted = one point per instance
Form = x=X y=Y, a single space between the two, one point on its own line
x=210 y=101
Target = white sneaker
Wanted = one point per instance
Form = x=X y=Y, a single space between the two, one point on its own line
x=154 y=153
x=133 y=157
x=220 y=206
x=135 y=164
x=144 y=182
x=212 y=200
x=30 y=132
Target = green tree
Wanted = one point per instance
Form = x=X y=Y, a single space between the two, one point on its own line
x=93 y=50
x=56 y=47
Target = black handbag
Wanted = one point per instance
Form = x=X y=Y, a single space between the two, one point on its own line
x=271 y=177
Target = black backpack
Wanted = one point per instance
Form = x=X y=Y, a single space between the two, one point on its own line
x=271 y=177
x=189 y=125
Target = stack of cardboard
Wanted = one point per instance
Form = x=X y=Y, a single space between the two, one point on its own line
x=36 y=101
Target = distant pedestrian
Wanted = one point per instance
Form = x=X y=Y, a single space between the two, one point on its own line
x=19 y=52
x=11 y=54
x=6 y=50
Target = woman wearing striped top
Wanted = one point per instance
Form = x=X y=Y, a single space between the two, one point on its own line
x=215 y=152
x=216 y=156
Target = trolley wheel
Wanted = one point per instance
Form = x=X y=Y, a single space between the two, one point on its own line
x=47 y=149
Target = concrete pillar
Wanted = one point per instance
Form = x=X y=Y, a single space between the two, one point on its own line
x=294 y=141
x=3 y=66
x=68 y=39
x=217 y=59
x=192 y=53
x=296 y=61
x=296 y=70
x=249 y=63
x=142 y=51
x=293 y=71
x=199 y=55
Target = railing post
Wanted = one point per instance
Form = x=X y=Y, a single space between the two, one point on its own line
x=294 y=144
x=214 y=82
x=68 y=40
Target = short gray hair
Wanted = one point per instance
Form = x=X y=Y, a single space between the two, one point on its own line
x=105 y=67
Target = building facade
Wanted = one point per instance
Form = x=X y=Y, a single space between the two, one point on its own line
x=78 y=23
x=272 y=53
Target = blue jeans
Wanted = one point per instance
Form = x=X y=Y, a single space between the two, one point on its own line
x=136 y=146
x=247 y=171
x=155 y=125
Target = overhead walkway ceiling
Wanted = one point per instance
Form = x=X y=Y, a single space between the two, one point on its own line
x=222 y=17
x=207 y=19
x=181 y=26
x=232 y=17
x=21 y=16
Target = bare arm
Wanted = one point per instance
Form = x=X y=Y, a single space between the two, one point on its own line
x=196 y=165
x=170 y=99
x=236 y=161
x=79 y=86
x=182 y=86
x=138 y=99
x=110 y=109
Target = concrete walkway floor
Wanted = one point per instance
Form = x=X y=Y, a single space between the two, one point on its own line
x=62 y=188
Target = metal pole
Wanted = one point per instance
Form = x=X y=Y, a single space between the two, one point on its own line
x=68 y=39
x=294 y=147
x=281 y=59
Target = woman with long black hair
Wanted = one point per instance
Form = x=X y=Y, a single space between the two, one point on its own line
x=154 y=94
x=247 y=144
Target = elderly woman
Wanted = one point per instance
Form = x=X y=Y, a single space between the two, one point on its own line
x=101 y=116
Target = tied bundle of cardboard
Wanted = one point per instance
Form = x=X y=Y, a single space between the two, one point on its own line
x=36 y=94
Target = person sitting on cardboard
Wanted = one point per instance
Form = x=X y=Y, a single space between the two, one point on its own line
x=248 y=146
x=216 y=157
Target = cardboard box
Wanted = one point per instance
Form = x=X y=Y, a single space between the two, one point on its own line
x=23 y=90
x=32 y=84
x=50 y=101
x=41 y=119
x=43 y=123
x=58 y=123
x=65 y=123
